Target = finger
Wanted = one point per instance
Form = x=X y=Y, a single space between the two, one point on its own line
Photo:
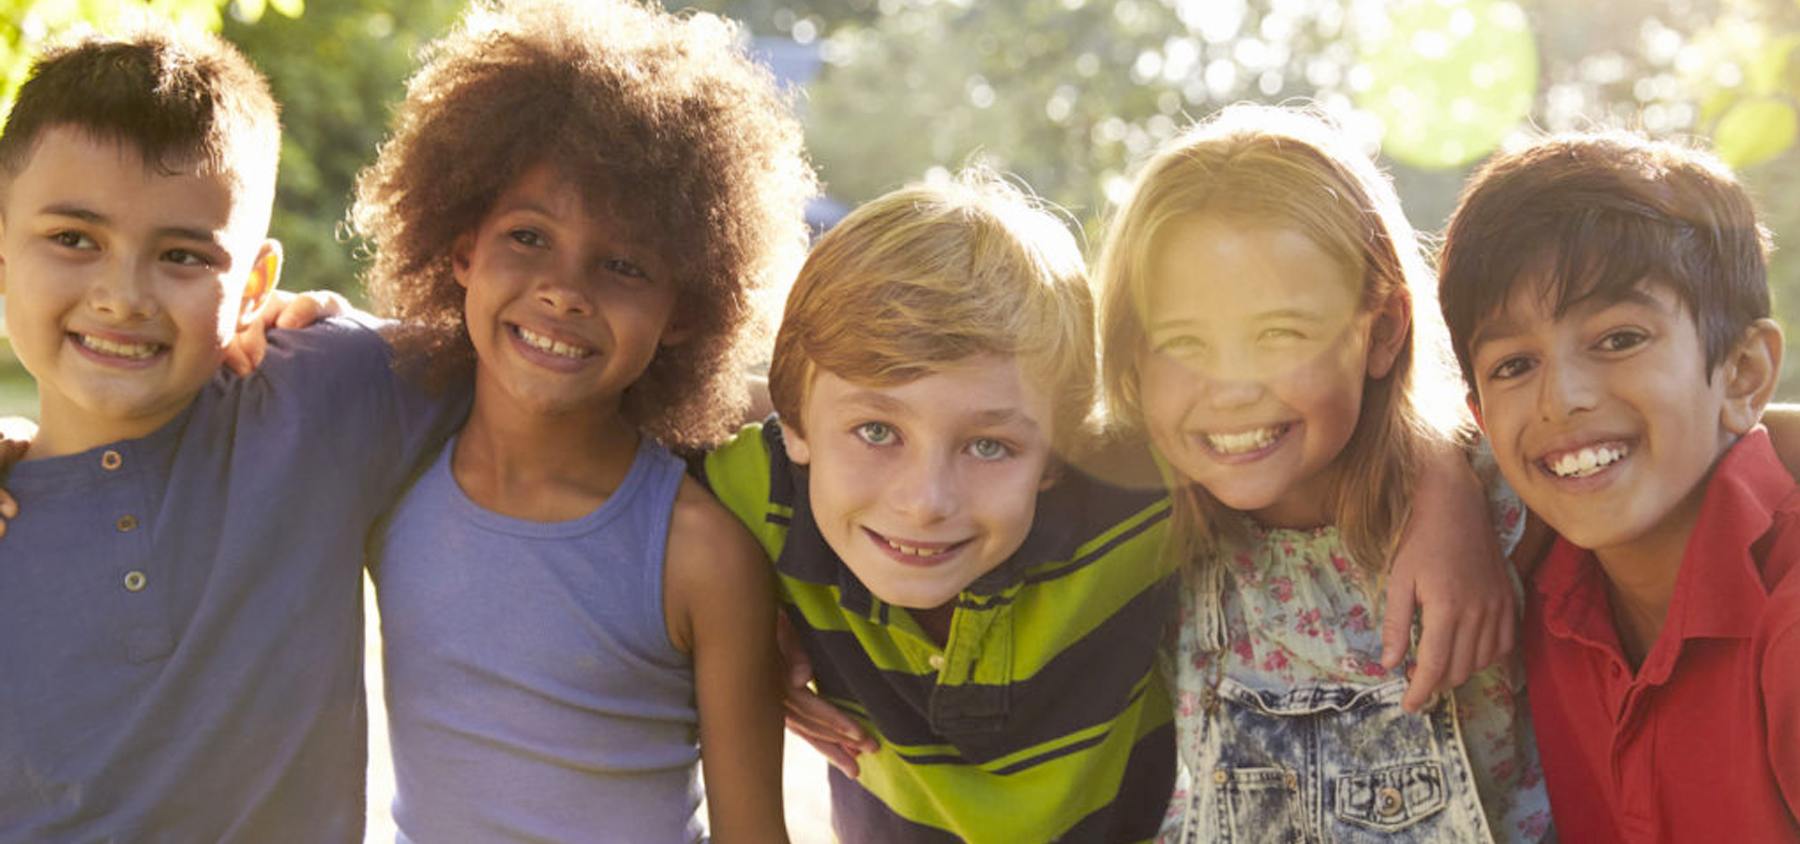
x=300 y=313
x=793 y=653
x=237 y=360
x=840 y=759
x=1509 y=632
x=9 y=507
x=1489 y=648
x=1462 y=654
x=827 y=720
x=1396 y=625
x=822 y=737
x=1433 y=659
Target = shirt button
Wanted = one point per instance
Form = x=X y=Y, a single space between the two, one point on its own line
x=126 y=523
x=134 y=581
x=1291 y=780
x=1219 y=776
x=110 y=460
x=936 y=661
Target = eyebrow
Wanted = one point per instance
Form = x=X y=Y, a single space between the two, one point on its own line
x=1504 y=328
x=90 y=216
x=1297 y=314
x=884 y=403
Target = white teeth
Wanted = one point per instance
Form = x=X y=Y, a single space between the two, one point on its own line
x=553 y=346
x=1587 y=461
x=914 y=550
x=1243 y=441
x=134 y=351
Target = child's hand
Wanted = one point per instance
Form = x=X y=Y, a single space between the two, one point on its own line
x=282 y=310
x=835 y=735
x=1449 y=568
x=16 y=434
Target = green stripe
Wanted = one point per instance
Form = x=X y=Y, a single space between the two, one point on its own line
x=1035 y=804
x=1065 y=610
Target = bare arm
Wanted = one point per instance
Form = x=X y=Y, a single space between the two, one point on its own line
x=719 y=602
x=1449 y=568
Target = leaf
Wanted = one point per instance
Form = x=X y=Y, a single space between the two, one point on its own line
x=250 y=11
x=1755 y=131
x=289 y=8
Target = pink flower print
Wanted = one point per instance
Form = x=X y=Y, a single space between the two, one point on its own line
x=1287 y=549
x=1371 y=668
x=1536 y=824
x=1308 y=622
x=1187 y=704
x=1241 y=647
x=1339 y=562
x=1275 y=661
x=1357 y=620
x=1282 y=588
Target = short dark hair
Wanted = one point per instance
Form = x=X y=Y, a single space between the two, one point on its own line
x=1599 y=215
x=659 y=120
x=184 y=100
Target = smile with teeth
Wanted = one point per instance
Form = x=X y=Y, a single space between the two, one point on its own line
x=550 y=344
x=1586 y=460
x=1244 y=442
x=915 y=550
x=111 y=348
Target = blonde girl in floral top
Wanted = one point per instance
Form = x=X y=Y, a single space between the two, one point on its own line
x=1269 y=322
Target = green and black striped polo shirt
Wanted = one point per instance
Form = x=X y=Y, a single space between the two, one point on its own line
x=1043 y=718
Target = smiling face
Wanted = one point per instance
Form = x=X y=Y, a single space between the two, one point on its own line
x=923 y=487
x=564 y=310
x=1604 y=419
x=1257 y=356
x=122 y=284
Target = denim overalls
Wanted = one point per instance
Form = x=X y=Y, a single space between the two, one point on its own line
x=1328 y=755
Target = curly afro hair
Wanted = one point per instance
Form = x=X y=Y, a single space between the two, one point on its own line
x=660 y=120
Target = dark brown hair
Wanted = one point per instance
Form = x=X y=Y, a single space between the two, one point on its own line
x=1596 y=216
x=659 y=120
x=184 y=100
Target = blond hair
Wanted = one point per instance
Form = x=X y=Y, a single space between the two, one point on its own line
x=933 y=274
x=1290 y=167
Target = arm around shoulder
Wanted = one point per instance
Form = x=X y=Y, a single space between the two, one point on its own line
x=719 y=602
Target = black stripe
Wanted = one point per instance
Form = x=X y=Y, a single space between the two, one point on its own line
x=1136 y=812
x=778 y=519
x=1088 y=683
x=858 y=816
x=1089 y=558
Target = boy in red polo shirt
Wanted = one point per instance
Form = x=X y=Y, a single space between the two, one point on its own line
x=1609 y=304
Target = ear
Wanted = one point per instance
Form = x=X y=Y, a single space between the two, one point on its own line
x=1388 y=332
x=677 y=331
x=1749 y=373
x=799 y=453
x=461 y=257
x=265 y=275
x=1475 y=411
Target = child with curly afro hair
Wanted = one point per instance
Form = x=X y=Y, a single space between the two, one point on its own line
x=576 y=206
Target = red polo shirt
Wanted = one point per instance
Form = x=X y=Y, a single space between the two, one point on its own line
x=1703 y=742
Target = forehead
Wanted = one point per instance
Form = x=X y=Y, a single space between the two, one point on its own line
x=1202 y=257
x=992 y=389
x=71 y=169
x=1536 y=302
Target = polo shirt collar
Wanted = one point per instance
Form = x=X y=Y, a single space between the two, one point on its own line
x=1719 y=590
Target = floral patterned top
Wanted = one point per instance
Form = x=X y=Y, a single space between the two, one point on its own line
x=1298 y=610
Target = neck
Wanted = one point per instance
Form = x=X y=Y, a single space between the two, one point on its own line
x=542 y=466
x=65 y=431
x=1641 y=575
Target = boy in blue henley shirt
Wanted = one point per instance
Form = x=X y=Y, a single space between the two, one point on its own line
x=180 y=599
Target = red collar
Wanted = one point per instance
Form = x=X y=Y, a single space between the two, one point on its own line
x=1719 y=591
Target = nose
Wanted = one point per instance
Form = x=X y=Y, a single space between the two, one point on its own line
x=123 y=291
x=1564 y=389
x=564 y=290
x=926 y=489
x=1231 y=392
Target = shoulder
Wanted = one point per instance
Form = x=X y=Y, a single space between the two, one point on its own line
x=706 y=542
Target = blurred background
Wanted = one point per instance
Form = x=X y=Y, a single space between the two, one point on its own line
x=1071 y=94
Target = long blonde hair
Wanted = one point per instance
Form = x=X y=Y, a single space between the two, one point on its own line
x=1291 y=167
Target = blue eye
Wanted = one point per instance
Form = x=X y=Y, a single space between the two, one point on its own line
x=875 y=433
x=985 y=448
